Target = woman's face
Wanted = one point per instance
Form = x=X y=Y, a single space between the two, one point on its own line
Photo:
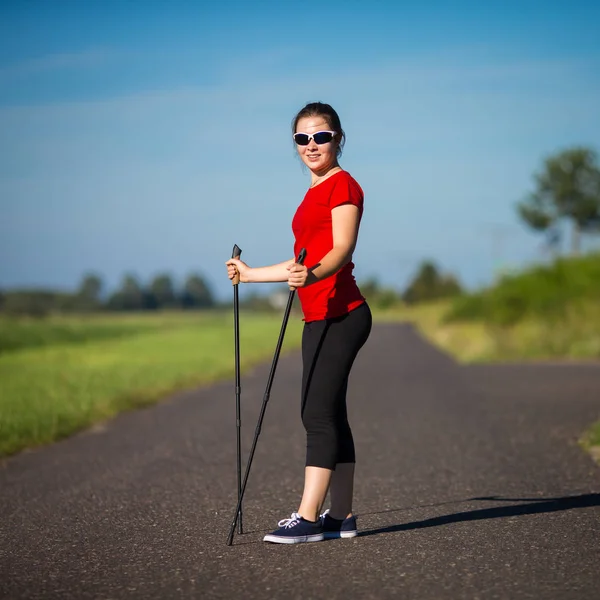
x=317 y=157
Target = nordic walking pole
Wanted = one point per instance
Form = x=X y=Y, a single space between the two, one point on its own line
x=237 y=252
x=299 y=260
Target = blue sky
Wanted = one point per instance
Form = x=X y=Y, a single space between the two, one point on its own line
x=151 y=136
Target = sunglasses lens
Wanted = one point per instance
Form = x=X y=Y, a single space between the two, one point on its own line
x=323 y=137
x=301 y=139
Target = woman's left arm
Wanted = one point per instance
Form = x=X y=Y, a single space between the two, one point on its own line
x=345 y=221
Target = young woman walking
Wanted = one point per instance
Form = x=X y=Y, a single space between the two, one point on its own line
x=337 y=323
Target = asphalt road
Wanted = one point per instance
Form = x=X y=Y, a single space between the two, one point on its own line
x=470 y=484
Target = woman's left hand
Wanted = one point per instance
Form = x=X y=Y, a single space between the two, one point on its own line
x=298 y=274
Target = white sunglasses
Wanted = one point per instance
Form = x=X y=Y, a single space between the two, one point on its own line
x=320 y=137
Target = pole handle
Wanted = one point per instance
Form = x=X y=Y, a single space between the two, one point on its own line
x=301 y=256
x=237 y=252
x=299 y=260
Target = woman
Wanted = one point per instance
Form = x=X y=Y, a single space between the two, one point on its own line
x=337 y=324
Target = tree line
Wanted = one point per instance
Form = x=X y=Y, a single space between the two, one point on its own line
x=161 y=293
x=428 y=283
x=132 y=295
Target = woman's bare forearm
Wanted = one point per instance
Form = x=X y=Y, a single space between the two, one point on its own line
x=271 y=274
x=331 y=263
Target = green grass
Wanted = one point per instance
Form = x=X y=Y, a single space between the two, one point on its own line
x=573 y=336
x=18 y=334
x=590 y=441
x=48 y=391
x=593 y=435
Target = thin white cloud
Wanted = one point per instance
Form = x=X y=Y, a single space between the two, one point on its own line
x=259 y=75
x=86 y=59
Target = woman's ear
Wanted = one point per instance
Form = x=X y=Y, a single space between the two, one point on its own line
x=338 y=141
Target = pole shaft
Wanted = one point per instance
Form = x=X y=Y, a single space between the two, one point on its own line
x=236 y=253
x=262 y=414
x=237 y=401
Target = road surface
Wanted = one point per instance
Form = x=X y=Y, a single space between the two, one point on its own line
x=470 y=484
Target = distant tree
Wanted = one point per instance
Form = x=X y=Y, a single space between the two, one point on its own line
x=91 y=287
x=430 y=284
x=567 y=189
x=370 y=288
x=87 y=296
x=257 y=302
x=130 y=296
x=378 y=295
x=162 y=292
x=34 y=303
x=449 y=286
x=197 y=293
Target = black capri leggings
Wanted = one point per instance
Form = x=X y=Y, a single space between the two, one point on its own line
x=329 y=348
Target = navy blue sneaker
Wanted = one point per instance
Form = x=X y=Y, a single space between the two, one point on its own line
x=332 y=528
x=296 y=530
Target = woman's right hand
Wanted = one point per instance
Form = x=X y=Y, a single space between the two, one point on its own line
x=234 y=266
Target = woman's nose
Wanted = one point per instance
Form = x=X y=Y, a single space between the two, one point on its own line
x=312 y=144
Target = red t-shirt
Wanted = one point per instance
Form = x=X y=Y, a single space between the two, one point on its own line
x=338 y=294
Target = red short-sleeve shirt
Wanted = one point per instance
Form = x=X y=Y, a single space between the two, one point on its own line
x=312 y=226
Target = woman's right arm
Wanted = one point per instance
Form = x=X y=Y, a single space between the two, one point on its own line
x=271 y=274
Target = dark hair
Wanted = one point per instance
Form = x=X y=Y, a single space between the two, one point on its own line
x=320 y=109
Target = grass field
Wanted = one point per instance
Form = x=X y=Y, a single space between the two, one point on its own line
x=67 y=373
x=18 y=334
x=574 y=337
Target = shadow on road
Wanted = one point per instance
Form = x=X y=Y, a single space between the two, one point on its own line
x=533 y=506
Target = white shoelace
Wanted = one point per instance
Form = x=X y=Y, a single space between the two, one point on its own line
x=294 y=518
x=289 y=522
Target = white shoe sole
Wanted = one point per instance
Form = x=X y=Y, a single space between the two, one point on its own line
x=334 y=535
x=275 y=539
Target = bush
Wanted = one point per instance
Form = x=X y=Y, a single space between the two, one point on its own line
x=545 y=291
